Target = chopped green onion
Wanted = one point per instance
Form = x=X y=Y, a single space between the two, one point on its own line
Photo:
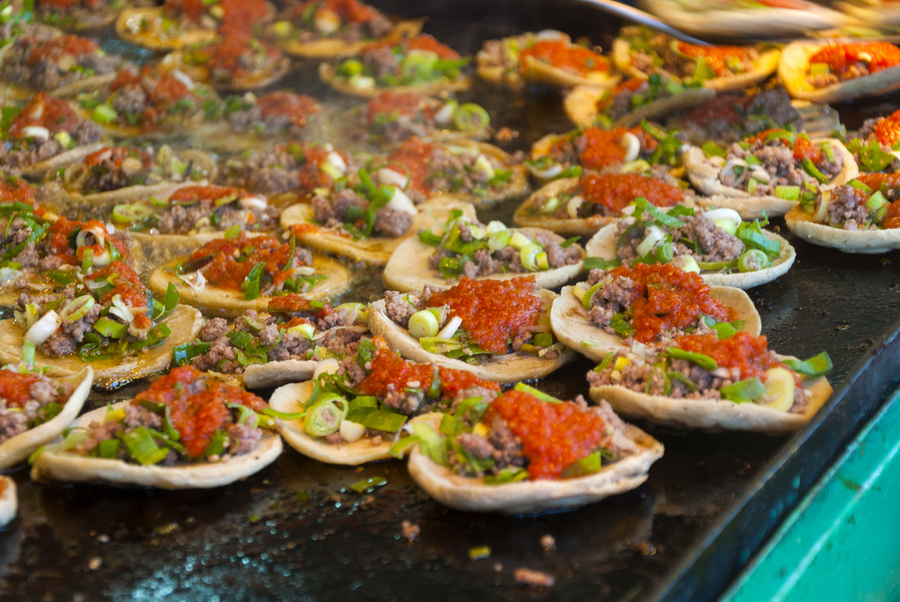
x=380 y=420
x=77 y=308
x=423 y=324
x=711 y=149
x=812 y=170
x=324 y=418
x=368 y=485
x=470 y=117
x=744 y=390
x=818 y=365
x=507 y=475
x=788 y=193
x=523 y=388
x=704 y=361
x=588 y=465
x=110 y=328
x=142 y=448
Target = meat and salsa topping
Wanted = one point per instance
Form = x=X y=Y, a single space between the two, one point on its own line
x=725 y=365
x=477 y=319
x=182 y=418
x=315 y=20
x=469 y=248
x=394 y=117
x=869 y=202
x=650 y=302
x=836 y=63
x=525 y=434
x=28 y=399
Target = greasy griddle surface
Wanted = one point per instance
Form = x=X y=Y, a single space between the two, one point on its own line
x=297 y=531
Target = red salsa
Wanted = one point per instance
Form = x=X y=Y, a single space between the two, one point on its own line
x=840 y=58
x=415 y=155
x=617 y=191
x=196 y=405
x=875 y=181
x=127 y=284
x=296 y=108
x=717 y=57
x=423 y=42
x=46 y=111
x=729 y=109
x=802 y=147
x=189 y=194
x=392 y=104
x=493 y=312
x=604 y=147
x=887 y=130
x=15 y=190
x=750 y=354
x=15 y=387
x=52 y=50
x=554 y=435
x=230 y=260
x=563 y=55
x=349 y=11
x=666 y=298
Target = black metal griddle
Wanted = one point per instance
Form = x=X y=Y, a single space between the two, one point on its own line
x=296 y=531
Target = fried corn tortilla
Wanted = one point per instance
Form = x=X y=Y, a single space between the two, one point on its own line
x=603 y=244
x=17 y=449
x=12 y=91
x=714 y=414
x=570 y=323
x=184 y=322
x=408 y=269
x=292 y=398
x=147 y=27
x=508 y=368
x=793 y=72
x=531 y=497
x=581 y=106
x=258 y=78
x=374 y=250
x=226 y=302
x=333 y=47
x=543 y=73
x=849 y=241
x=705 y=177
x=67 y=466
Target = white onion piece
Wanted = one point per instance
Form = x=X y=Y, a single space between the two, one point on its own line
x=98 y=232
x=574 y=205
x=102 y=260
x=305 y=270
x=352 y=431
x=124 y=311
x=822 y=211
x=654 y=236
x=327 y=22
x=761 y=175
x=401 y=202
x=338 y=161
x=183 y=78
x=548 y=173
x=629 y=210
x=329 y=366
x=445 y=115
x=728 y=169
x=36 y=131
x=8 y=276
x=632 y=146
x=731 y=215
x=43 y=329
x=551 y=34
x=717 y=161
x=450 y=329
x=324 y=333
x=484 y=164
x=253 y=202
x=195 y=280
x=390 y=177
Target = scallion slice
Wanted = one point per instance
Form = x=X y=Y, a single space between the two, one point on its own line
x=699 y=359
x=818 y=365
x=744 y=391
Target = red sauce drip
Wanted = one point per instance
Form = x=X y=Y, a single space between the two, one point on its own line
x=565 y=56
x=749 y=353
x=804 y=149
x=59 y=234
x=127 y=284
x=392 y=372
x=841 y=57
x=297 y=303
x=616 y=191
x=726 y=108
x=604 y=147
x=415 y=155
x=716 y=56
x=296 y=108
x=232 y=259
x=15 y=387
x=554 y=435
x=492 y=311
x=197 y=405
x=666 y=298
x=14 y=190
x=201 y=193
x=350 y=11
x=393 y=104
x=892 y=216
x=887 y=130
x=43 y=110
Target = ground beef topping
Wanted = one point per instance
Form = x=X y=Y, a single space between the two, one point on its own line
x=27 y=400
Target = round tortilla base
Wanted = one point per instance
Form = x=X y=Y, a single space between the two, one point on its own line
x=713 y=414
x=292 y=398
x=327 y=48
x=543 y=73
x=274 y=374
x=581 y=106
x=152 y=39
x=766 y=66
x=705 y=177
x=531 y=497
x=227 y=302
x=460 y=84
x=603 y=244
x=377 y=249
x=66 y=466
x=70 y=156
x=408 y=270
x=509 y=368
x=184 y=322
x=794 y=65
x=528 y=215
x=848 y=241
x=9 y=503
x=570 y=323
x=17 y=449
x=742 y=24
